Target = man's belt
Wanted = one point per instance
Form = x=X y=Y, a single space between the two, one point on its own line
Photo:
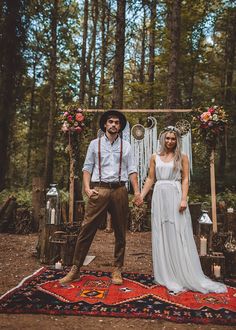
x=110 y=185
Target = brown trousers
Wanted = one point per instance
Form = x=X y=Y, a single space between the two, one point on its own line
x=114 y=200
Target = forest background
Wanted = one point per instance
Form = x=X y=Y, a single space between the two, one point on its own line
x=153 y=54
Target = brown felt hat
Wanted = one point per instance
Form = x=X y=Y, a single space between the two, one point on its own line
x=114 y=113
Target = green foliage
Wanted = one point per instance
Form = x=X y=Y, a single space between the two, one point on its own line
x=23 y=197
x=227 y=196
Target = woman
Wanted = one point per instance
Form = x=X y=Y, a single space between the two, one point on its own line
x=175 y=259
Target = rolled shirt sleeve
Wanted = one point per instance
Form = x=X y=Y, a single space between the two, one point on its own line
x=131 y=167
x=89 y=159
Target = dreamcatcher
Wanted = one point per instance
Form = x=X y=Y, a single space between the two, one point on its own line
x=143 y=145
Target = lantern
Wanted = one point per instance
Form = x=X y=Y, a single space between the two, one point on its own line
x=205 y=229
x=53 y=205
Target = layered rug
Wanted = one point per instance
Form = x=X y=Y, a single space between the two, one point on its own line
x=95 y=295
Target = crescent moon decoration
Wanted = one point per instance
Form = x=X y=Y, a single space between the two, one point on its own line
x=153 y=122
x=183 y=126
x=138 y=132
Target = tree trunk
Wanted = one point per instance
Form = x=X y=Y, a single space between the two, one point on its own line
x=83 y=68
x=49 y=157
x=174 y=21
x=90 y=71
x=31 y=110
x=228 y=82
x=230 y=58
x=117 y=96
x=12 y=38
x=105 y=31
x=151 y=68
x=142 y=63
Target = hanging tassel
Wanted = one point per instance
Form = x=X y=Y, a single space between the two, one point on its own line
x=187 y=148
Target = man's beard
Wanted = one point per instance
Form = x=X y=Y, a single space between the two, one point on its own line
x=111 y=131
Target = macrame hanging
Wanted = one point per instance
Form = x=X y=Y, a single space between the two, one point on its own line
x=185 y=130
x=126 y=132
x=143 y=145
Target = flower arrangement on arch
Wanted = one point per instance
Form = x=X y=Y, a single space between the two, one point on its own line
x=212 y=123
x=73 y=120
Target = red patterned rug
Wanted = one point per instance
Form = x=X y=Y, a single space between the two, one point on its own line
x=138 y=297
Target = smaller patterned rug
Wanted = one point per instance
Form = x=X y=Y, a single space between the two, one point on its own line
x=94 y=294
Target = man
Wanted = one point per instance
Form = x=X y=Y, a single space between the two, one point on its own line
x=107 y=167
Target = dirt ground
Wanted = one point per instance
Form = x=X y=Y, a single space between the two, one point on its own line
x=17 y=262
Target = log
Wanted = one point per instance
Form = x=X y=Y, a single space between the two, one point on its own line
x=8 y=217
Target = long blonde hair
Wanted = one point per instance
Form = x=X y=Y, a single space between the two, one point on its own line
x=177 y=150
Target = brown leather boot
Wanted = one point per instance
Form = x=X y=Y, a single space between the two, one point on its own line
x=116 y=277
x=74 y=274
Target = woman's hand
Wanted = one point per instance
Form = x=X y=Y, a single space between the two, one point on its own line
x=183 y=206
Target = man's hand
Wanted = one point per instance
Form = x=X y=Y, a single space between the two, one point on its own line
x=183 y=206
x=90 y=192
x=138 y=199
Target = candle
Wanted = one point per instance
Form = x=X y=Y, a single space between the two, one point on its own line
x=216 y=269
x=230 y=210
x=203 y=246
x=53 y=216
x=58 y=265
x=48 y=205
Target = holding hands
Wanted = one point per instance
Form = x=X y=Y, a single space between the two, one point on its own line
x=138 y=199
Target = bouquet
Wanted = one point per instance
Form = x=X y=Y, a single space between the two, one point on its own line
x=212 y=124
x=73 y=120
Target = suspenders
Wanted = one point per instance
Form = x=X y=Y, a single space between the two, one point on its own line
x=99 y=159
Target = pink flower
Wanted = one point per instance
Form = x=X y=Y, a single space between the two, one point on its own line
x=66 y=113
x=78 y=129
x=69 y=118
x=79 y=117
x=79 y=110
x=210 y=123
x=64 y=127
x=205 y=116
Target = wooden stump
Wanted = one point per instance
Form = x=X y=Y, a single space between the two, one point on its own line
x=38 y=199
x=47 y=251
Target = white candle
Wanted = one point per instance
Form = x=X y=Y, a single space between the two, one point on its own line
x=230 y=210
x=217 y=269
x=53 y=216
x=203 y=246
x=48 y=204
x=58 y=265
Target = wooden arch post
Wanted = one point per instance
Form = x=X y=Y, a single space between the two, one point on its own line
x=213 y=190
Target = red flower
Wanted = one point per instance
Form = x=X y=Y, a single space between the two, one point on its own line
x=211 y=110
x=79 y=117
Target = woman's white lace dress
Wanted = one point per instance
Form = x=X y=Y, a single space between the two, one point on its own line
x=176 y=262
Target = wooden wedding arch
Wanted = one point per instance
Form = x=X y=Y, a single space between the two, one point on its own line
x=212 y=163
